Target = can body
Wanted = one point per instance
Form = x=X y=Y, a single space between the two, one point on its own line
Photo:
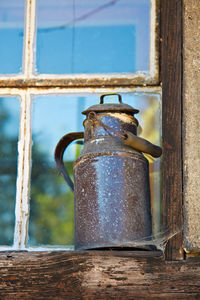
x=112 y=199
x=111 y=179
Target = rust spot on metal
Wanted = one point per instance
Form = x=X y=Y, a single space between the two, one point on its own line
x=111 y=184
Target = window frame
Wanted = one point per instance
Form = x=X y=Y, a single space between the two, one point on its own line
x=169 y=14
x=29 y=78
x=29 y=84
x=171 y=66
x=125 y=274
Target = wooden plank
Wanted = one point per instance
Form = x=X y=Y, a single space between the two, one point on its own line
x=171 y=77
x=96 y=275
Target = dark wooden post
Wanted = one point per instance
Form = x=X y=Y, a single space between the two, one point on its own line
x=171 y=78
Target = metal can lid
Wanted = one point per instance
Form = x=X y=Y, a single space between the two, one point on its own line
x=111 y=107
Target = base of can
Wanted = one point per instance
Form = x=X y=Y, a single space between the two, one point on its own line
x=120 y=248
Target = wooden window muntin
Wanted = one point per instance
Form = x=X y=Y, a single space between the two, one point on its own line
x=171 y=77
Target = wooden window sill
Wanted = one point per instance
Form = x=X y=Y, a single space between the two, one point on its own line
x=97 y=275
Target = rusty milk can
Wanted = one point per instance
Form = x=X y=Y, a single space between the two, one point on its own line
x=111 y=178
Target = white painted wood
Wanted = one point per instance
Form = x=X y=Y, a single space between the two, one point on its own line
x=23 y=179
x=154 y=55
x=28 y=66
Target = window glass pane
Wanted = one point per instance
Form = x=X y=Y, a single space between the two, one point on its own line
x=83 y=36
x=51 y=213
x=11 y=35
x=9 y=125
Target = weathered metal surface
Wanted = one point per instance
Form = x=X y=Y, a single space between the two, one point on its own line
x=112 y=193
x=59 y=151
x=120 y=123
x=111 y=107
x=112 y=200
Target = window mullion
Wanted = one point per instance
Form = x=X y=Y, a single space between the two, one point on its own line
x=154 y=45
x=23 y=180
x=29 y=38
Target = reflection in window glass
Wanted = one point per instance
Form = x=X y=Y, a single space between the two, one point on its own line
x=9 y=124
x=11 y=35
x=84 y=36
x=51 y=213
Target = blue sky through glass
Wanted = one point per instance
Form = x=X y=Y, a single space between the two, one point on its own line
x=11 y=36
x=79 y=37
x=93 y=36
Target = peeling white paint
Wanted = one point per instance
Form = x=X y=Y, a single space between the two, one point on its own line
x=29 y=39
x=17 y=233
x=139 y=74
x=153 y=38
x=60 y=91
x=23 y=179
x=97 y=141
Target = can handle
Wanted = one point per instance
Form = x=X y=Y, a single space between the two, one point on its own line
x=59 y=152
x=114 y=94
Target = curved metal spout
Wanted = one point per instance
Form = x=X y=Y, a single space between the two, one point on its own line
x=142 y=145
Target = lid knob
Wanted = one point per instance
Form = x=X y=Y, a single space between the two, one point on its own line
x=105 y=95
